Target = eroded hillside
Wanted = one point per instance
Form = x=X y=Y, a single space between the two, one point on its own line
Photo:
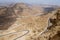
x=29 y=23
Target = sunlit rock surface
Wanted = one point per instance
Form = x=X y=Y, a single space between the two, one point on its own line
x=27 y=22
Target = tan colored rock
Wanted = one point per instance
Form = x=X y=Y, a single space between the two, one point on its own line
x=30 y=25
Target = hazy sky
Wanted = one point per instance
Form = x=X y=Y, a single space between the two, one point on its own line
x=54 y=2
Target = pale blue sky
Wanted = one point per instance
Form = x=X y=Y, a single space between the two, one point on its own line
x=51 y=2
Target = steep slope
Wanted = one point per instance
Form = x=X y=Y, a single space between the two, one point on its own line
x=30 y=23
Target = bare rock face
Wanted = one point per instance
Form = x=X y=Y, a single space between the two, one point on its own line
x=7 y=17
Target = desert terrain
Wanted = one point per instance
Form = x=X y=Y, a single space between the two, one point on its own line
x=29 y=22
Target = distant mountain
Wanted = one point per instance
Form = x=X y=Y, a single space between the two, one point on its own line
x=47 y=8
x=9 y=12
